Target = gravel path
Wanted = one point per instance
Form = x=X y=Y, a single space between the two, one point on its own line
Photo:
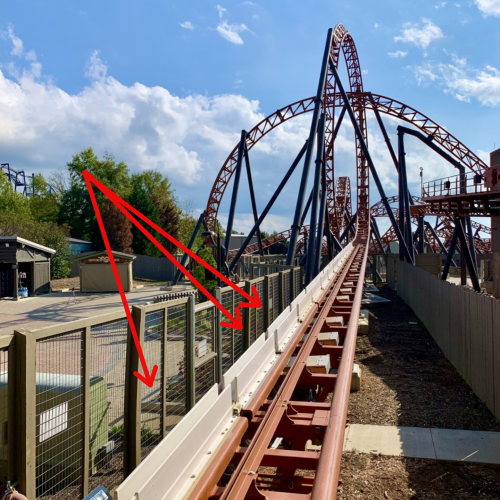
x=406 y=379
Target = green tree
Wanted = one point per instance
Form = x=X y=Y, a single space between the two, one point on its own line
x=10 y=201
x=200 y=273
x=141 y=200
x=159 y=190
x=118 y=227
x=76 y=207
x=44 y=204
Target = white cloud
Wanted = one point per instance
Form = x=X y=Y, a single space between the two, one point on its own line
x=376 y=25
x=251 y=4
x=231 y=32
x=489 y=7
x=96 y=69
x=187 y=25
x=440 y=5
x=221 y=10
x=398 y=53
x=420 y=36
x=364 y=72
x=462 y=81
x=19 y=51
x=42 y=126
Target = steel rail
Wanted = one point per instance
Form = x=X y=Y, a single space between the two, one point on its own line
x=273 y=412
x=327 y=474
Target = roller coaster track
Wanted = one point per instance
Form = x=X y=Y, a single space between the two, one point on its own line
x=291 y=406
x=256 y=446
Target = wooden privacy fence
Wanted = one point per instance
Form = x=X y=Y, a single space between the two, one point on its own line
x=465 y=324
x=74 y=416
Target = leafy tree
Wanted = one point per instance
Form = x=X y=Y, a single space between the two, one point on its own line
x=118 y=227
x=44 y=205
x=10 y=201
x=200 y=273
x=160 y=191
x=76 y=207
x=141 y=200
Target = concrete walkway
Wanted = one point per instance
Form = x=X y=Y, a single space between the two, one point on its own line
x=417 y=442
x=45 y=310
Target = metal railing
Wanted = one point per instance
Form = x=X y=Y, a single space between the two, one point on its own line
x=469 y=183
x=81 y=418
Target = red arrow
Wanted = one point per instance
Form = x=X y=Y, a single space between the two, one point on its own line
x=253 y=300
x=147 y=378
x=234 y=322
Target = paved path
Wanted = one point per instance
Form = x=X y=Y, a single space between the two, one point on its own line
x=418 y=442
x=45 y=310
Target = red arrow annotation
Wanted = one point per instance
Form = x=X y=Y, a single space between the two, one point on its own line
x=147 y=378
x=235 y=322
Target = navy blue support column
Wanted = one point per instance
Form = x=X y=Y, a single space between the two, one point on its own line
x=376 y=234
x=443 y=248
x=201 y=220
x=348 y=227
x=252 y=198
x=310 y=147
x=313 y=226
x=472 y=248
x=467 y=254
x=306 y=208
x=234 y=197
x=421 y=242
x=405 y=215
x=269 y=206
x=451 y=251
x=322 y=216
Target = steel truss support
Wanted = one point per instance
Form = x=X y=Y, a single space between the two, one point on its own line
x=201 y=220
x=318 y=103
x=404 y=199
x=314 y=228
x=269 y=205
x=459 y=234
x=368 y=157
x=234 y=197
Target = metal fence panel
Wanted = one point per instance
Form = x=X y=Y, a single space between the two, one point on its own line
x=151 y=397
x=204 y=351
x=175 y=353
x=59 y=410
x=108 y=346
x=228 y=344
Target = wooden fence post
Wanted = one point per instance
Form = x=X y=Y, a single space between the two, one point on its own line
x=24 y=400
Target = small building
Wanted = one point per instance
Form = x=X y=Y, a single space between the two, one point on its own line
x=96 y=273
x=24 y=267
x=79 y=246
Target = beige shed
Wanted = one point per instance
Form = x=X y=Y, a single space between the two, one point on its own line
x=96 y=273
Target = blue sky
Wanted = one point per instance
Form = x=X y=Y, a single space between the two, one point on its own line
x=170 y=85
